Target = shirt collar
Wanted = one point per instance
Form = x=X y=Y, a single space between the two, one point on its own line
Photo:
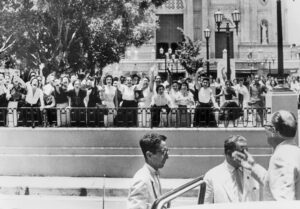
x=152 y=170
x=229 y=167
x=289 y=141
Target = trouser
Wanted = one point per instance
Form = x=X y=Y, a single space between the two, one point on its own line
x=204 y=115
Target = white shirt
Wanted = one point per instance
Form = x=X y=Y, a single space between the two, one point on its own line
x=161 y=100
x=127 y=92
x=246 y=95
x=187 y=99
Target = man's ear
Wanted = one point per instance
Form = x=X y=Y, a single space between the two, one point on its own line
x=148 y=154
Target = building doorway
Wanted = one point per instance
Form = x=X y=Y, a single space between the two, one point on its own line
x=167 y=35
x=221 y=44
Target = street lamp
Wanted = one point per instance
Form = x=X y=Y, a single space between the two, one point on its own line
x=251 y=63
x=236 y=17
x=170 y=60
x=207 y=33
x=165 y=56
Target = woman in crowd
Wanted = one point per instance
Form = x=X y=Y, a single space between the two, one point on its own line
x=95 y=117
x=185 y=103
x=230 y=110
x=118 y=96
x=76 y=99
x=144 y=96
x=60 y=94
x=204 y=112
x=3 y=99
x=34 y=99
x=161 y=102
x=127 y=116
x=175 y=93
x=218 y=87
x=108 y=98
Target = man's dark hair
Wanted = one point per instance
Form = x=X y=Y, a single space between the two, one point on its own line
x=150 y=142
x=159 y=86
x=285 y=123
x=230 y=144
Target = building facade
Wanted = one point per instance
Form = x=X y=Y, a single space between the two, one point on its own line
x=252 y=49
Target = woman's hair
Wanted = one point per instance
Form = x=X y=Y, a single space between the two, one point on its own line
x=34 y=78
x=108 y=76
x=187 y=86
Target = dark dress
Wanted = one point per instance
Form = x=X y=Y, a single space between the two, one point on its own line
x=95 y=115
x=230 y=110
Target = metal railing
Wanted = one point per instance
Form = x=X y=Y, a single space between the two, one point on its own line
x=173 y=194
x=158 y=117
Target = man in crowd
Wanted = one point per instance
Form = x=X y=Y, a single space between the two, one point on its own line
x=281 y=181
x=228 y=182
x=146 y=187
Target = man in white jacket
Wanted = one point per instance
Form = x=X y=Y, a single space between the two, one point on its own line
x=282 y=179
x=146 y=187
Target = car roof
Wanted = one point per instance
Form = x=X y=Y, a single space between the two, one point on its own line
x=246 y=205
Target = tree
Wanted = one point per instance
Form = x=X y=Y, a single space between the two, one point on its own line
x=190 y=56
x=76 y=34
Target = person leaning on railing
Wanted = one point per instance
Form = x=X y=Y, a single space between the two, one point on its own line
x=3 y=100
x=76 y=99
x=161 y=102
x=108 y=96
x=95 y=116
x=35 y=100
x=127 y=114
x=185 y=102
x=230 y=110
x=256 y=99
x=60 y=94
x=204 y=112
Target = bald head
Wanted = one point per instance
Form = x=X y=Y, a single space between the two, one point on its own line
x=285 y=123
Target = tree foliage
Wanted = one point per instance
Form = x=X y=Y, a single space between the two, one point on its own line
x=75 y=34
x=190 y=54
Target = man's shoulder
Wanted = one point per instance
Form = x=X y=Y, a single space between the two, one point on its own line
x=142 y=174
x=292 y=149
x=215 y=171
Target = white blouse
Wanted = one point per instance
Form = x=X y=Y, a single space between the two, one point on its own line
x=161 y=100
x=128 y=92
x=33 y=98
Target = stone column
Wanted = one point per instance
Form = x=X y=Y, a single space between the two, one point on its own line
x=188 y=16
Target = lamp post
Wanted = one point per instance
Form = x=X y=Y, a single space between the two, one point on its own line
x=207 y=33
x=280 y=42
x=236 y=17
x=170 y=60
x=165 y=56
x=251 y=63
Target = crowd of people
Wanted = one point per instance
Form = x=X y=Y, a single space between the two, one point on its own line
x=148 y=100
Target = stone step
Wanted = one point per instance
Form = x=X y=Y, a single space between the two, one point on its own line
x=125 y=137
x=177 y=166
x=118 y=150
x=72 y=202
x=78 y=186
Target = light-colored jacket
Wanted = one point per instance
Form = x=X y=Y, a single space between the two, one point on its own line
x=282 y=180
x=144 y=190
x=220 y=186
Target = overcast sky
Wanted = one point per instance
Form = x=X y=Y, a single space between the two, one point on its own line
x=294 y=21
